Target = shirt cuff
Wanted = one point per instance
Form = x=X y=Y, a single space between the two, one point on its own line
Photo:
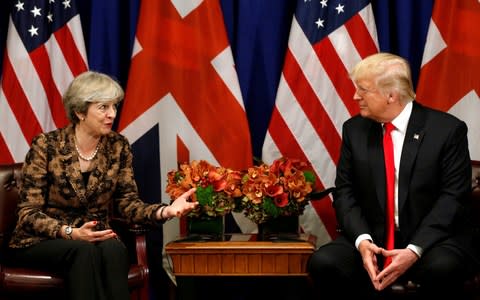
x=416 y=249
x=362 y=237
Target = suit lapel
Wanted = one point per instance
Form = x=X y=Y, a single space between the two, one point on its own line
x=376 y=161
x=72 y=165
x=411 y=144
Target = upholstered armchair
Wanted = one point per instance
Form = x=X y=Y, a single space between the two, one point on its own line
x=22 y=283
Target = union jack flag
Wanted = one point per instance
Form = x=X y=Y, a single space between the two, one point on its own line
x=183 y=94
x=449 y=78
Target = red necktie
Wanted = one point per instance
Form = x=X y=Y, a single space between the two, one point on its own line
x=390 y=176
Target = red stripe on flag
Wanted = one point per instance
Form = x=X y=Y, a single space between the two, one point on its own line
x=183 y=154
x=287 y=143
x=337 y=73
x=283 y=137
x=311 y=106
x=70 y=51
x=18 y=102
x=358 y=31
x=325 y=211
x=41 y=62
x=6 y=157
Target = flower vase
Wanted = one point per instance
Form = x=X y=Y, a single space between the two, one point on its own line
x=283 y=227
x=206 y=227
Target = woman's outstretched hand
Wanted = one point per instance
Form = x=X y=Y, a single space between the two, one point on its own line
x=179 y=207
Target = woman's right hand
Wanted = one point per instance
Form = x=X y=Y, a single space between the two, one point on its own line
x=88 y=233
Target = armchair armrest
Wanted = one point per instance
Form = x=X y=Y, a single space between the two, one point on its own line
x=133 y=235
x=134 y=239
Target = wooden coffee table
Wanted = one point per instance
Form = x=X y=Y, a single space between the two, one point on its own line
x=240 y=255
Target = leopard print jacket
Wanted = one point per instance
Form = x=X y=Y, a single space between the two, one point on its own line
x=53 y=193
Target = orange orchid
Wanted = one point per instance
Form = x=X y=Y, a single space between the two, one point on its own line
x=280 y=189
x=216 y=187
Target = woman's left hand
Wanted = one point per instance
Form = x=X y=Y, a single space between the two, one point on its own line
x=87 y=232
x=179 y=207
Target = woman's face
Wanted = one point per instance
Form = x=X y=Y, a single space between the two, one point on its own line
x=99 y=117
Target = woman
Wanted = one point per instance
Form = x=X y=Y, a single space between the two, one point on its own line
x=74 y=179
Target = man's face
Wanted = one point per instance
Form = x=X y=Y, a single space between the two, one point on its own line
x=372 y=103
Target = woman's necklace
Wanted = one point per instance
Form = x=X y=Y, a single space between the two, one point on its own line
x=86 y=158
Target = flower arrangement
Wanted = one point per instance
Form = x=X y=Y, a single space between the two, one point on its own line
x=281 y=189
x=217 y=187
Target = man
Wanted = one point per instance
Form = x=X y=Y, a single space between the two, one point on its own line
x=431 y=180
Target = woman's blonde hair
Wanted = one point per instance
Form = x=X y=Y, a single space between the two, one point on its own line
x=87 y=88
x=389 y=72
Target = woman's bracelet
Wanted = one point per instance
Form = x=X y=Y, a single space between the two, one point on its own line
x=161 y=213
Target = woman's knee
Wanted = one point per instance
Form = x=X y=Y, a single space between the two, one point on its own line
x=83 y=253
x=112 y=245
x=113 y=250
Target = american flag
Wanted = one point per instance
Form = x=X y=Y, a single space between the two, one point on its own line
x=45 y=51
x=449 y=78
x=315 y=94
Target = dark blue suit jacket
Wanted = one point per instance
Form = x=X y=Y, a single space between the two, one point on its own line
x=434 y=181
